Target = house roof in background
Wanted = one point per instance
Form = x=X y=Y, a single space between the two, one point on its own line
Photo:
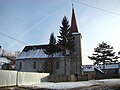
x=4 y=60
x=89 y=68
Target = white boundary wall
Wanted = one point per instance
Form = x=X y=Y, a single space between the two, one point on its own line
x=13 y=78
x=119 y=70
x=7 y=78
x=27 y=78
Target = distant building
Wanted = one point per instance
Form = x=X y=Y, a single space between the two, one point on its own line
x=33 y=59
x=8 y=58
x=111 y=70
x=3 y=60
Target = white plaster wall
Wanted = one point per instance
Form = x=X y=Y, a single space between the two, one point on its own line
x=27 y=65
x=12 y=78
x=7 y=78
x=27 y=78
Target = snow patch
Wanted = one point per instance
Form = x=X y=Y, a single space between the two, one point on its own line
x=70 y=85
x=38 y=53
x=4 y=60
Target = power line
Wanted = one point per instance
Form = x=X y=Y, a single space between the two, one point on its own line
x=41 y=20
x=38 y=23
x=13 y=38
x=44 y=18
x=34 y=26
x=96 y=7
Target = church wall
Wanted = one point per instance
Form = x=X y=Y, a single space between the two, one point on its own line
x=64 y=66
x=30 y=65
x=60 y=70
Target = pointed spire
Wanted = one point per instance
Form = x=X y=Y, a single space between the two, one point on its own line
x=74 y=28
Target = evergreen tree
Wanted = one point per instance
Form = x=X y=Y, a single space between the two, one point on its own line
x=103 y=54
x=66 y=38
x=51 y=49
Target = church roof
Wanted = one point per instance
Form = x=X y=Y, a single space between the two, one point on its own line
x=34 y=47
x=74 y=28
x=36 y=51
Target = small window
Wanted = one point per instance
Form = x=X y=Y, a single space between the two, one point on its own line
x=20 y=66
x=34 y=65
x=57 y=65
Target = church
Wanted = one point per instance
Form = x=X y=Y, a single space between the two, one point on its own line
x=33 y=58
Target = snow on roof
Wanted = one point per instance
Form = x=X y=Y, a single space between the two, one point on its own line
x=88 y=68
x=109 y=65
x=76 y=33
x=4 y=60
x=37 y=53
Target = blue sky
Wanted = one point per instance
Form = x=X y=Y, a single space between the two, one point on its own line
x=32 y=21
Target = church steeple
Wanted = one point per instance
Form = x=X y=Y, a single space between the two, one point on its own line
x=77 y=61
x=74 y=28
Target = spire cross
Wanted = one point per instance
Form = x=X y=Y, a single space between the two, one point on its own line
x=72 y=5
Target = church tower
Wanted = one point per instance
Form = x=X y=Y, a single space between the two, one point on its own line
x=76 y=61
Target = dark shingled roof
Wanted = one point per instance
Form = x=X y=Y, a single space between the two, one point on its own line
x=73 y=28
x=34 y=47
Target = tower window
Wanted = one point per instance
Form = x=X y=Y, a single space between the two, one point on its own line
x=34 y=65
x=57 y=65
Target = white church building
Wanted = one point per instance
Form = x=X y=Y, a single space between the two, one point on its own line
x=33 y=58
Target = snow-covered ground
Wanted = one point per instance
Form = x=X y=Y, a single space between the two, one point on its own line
x=69 y=85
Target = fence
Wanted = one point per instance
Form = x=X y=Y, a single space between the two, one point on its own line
x=13 y=78
x=8 y=78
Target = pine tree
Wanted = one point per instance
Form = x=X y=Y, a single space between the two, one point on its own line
x=103 y=54
x=51 y=49
x=66 y=38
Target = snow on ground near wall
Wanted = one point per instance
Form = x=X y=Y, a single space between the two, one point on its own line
x=109 y=81
x=69 y=85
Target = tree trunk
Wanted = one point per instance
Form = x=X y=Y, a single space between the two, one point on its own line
x=104 y=66
x=65 y=67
